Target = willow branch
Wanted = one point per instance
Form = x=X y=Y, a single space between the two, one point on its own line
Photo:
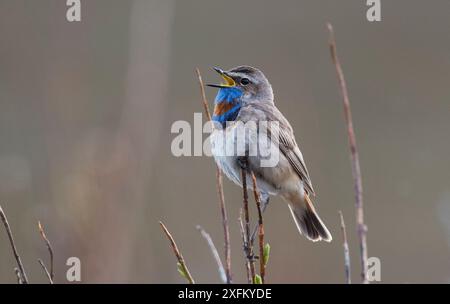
x=219 y=185
x=244 y=241
x=23 y=276
x=256 y=227
x=202 y=91
x=178 y=254
x=356 y=169
x=248 y=248
x=212 y=247
x=348 y=278
x=262 y=265
x=50 y=252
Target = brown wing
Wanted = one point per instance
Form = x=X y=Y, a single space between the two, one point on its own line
x=290 y=150
x=283 y=135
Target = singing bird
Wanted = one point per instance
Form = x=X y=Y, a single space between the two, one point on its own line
x=244 y=96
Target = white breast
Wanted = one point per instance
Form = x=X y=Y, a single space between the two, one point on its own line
x=222 y=145
x=227 y=145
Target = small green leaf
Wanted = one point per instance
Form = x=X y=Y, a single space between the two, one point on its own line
x=266 y=253
x=181 y=271
x=257 y=279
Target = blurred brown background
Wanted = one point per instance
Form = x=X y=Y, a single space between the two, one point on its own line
x=86 y=111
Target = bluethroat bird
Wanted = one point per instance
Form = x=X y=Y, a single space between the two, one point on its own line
x=245 y=98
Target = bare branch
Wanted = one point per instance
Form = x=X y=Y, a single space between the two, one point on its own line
x=49 y=276
x=202 y=91
x=348 y=278
x=356 y=170
x=256 y=227
x=18 y=275
x=262 y=265
x=178 y=254
x=248 y=248
x=226 y=229
x=23 y=275
x=50 y=251
x=219 y=185
x=212 y=247
x=244 y=241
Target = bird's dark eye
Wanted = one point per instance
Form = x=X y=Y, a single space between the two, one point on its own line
x=245 y=81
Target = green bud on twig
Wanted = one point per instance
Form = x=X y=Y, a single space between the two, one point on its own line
x=257 y=279
x=266 y=253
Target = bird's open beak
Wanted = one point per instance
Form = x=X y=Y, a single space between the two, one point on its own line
x=229 y=82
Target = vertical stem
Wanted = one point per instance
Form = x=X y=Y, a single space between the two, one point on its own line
x=226 y=230
x=262 y=265
x=219 y=184
x=348 y=278
x=248 y=249
x=244 y=241
x=13 y=246
x=202 y=92
x=212 y=247
x=356 y=169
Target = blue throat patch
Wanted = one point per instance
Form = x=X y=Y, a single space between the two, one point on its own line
x=231 y=96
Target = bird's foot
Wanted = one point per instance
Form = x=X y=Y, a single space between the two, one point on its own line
x=242 y=162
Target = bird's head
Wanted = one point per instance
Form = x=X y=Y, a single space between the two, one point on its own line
x=245 y=83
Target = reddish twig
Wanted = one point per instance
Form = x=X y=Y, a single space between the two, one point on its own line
x=356 y=170
x=348 y=278
x=23 y=276
x=219 y=185
x=262 y=265
x=202 y=91
x=51 y=274
x=178 y=254
x=248 y=248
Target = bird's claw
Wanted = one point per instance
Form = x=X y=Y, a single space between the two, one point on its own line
x=242 y=162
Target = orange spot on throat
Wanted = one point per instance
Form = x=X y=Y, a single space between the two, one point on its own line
x=223 y=107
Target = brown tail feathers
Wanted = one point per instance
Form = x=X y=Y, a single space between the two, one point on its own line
x=308 y=221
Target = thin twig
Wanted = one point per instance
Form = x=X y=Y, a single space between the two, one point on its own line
x=219 y=185
x=244 y=241
x=248 y=248
x=226 y=229
x=49 y=276
x=23 y=275
x=256 y=227
x=18 y=275
x=178 y=254
x=202 y=91
x=212 y=247
x=262 y=265
x=348 y=278
x=50 y=250
x=356 y=169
